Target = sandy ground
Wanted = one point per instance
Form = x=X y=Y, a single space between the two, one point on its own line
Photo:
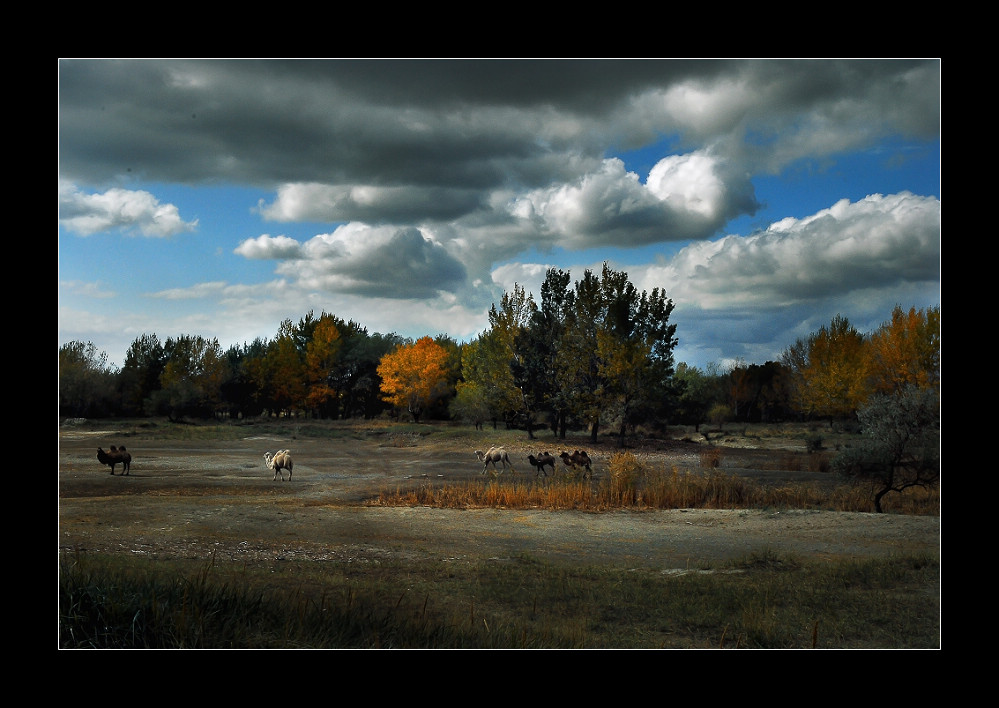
x=199 y=500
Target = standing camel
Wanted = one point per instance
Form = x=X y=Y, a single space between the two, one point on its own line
x=492 y=456
x=542 y=461
x=279 y=462
x=578 y=459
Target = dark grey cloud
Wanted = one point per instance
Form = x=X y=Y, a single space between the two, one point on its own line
x=518 y=143
x=432 y=173
x=481 y=124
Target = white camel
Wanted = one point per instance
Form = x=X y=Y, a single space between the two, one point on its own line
x=279 y=462
x=492 y=456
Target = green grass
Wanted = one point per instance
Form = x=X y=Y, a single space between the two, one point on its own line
x=759 y=602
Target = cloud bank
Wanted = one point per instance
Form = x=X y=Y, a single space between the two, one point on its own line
x=436 y=185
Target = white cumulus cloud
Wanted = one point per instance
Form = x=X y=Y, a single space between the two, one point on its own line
x=124 y=210
x=382 y=261
x=875 y=242
x=266 y=247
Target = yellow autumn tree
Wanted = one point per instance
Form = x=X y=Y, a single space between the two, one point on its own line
x=834 y=372
x=321 y=355
x=284 y=367
x=905 y=351
x=414 y=375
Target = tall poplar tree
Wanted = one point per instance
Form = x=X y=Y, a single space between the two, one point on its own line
x=831 y=370
x=504 y=369
x=905 y=351
x=284 y=369
x=322 y=353
x=192 y=379
x=140 y=375
x=549 y=327
x=635 y=349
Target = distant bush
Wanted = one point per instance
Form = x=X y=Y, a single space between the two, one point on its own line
x=711 y=458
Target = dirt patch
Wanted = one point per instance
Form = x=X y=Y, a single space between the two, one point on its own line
x=193 y=499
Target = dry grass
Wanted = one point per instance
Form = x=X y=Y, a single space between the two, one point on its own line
x=632 y=484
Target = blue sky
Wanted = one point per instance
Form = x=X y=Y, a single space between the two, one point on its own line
x=219 y=198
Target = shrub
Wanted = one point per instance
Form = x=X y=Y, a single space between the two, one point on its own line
x=711 y=458
x=813 y=443
x=718 y=414
x=625 y=472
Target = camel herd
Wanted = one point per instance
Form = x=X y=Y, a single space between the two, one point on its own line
x=281 y=460
x=578 y=460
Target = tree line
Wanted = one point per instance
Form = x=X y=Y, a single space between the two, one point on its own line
x=592 y=355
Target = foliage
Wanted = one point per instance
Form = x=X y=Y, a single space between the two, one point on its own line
x=719 y=413
x=139 y=377
x=600 y=350
x=192 y=378
x=496 y=378
x=548 y=334
x=86 y=382
x=594 y=353
x=242 y=394
x=759 y=393
x=901 y=447
x=905 y=351
x=413 y=375
x=355 y=375
x=472 y=402
x=282 y=372
x=321 y=354
x=447 y=387
x=509 y=357
x=694 y=394
x=833 y=372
